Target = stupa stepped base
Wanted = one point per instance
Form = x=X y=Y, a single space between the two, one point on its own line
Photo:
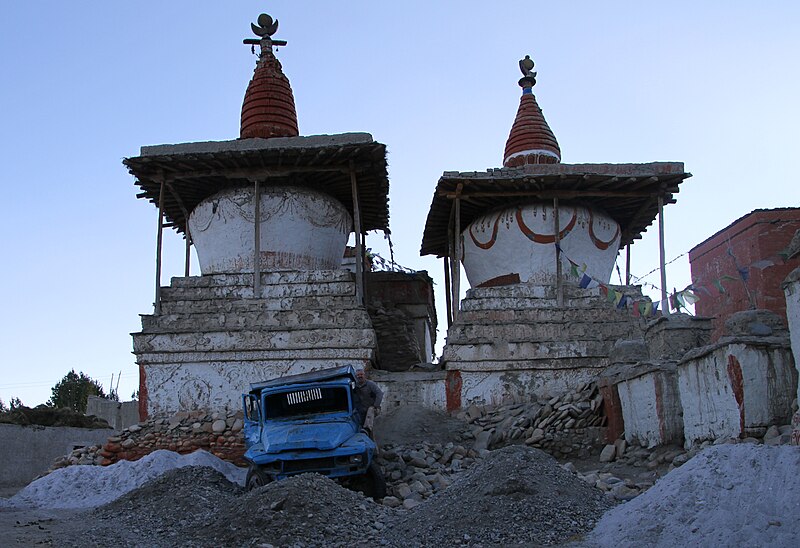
x=212 y=338
x=514 y=342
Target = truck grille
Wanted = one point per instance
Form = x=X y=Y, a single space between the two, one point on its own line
x=307 y=465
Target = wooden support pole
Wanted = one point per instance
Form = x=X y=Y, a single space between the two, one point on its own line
x=628 y=264
x=357 y=230
x=257 y=241
x=188 y=259
x=187 y=234
x=456 y=261
x=662 y=257
x=447 y=294
x=559 y=286
x=159 y=238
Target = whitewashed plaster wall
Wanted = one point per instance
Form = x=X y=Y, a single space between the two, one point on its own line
x=219 y=385
x=713 y=406
x=497 y=387
x=300 y=229
x=520 y=240
x=651 y=409
x=418 y=388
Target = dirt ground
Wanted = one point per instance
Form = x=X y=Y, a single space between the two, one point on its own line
x=406 y=425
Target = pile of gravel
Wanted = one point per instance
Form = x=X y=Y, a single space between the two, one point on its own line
x=91 y=486
x=305 y=510
x=728 y=495
x=516 y=495
x=165 y=510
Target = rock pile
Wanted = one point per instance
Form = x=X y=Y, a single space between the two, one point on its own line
x=516 y=495
x=81 y=455
x=197 y=506
x=565 y=426
x=186 y=431
x=415 y=472
x=162 y=510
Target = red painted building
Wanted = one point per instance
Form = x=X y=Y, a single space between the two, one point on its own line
x=740 y=267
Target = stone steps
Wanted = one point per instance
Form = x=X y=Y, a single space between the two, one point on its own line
x=499 y=350
x=291 y=339
x=235 y=292
x=267 y=278
x=259 y=317
x=269 y=360
x=529 y=364
x=539 y=332
x=233 y=306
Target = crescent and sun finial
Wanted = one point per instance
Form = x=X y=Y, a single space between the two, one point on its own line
x=528 y=76
x=264 y=29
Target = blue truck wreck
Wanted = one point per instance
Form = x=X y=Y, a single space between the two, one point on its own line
x=309 y=423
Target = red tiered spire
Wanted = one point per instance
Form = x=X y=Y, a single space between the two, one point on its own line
x=268 y=109
x=531 y=141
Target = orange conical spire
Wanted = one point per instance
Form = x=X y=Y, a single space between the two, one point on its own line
x=531 y=141
x=268 y=108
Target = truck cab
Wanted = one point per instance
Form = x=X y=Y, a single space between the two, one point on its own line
x=309 y=423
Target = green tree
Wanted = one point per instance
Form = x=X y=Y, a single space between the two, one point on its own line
x=15 y=403
x=74 y=390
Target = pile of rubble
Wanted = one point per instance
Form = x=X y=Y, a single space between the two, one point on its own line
x=514 y=495
x=565 y=426
x=186 y=431
x=517 y=495
x=415 y=472
x=82 y=455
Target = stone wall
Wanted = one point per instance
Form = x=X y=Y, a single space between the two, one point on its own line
x=736 y=388
x=213 y=337
x=28 y=451
x=516 y=341
x=218 y=433
x=423 y=388
x=569 y=425
x=118 y=414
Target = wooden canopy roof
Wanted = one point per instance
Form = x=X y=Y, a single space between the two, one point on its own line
x=195 y=171
x=627 y=192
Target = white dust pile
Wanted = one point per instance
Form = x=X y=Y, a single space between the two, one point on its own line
x=727 y=495
x=90 y=486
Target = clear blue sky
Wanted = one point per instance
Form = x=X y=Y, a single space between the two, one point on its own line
x=85 y=84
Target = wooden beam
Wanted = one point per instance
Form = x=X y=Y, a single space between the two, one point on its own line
x=447 y=295
x=628 y=264
x=357 y=230
x=549 y=194
x=159 y=238
x=662 y=258
x=458 y=253
x=256 y=172
x=187 y=233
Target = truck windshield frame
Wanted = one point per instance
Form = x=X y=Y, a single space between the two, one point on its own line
x=305 y=401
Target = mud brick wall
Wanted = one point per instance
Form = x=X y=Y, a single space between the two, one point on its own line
x=756 y=236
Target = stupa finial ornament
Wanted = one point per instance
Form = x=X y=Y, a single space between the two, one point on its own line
x=265 y=28
x=528 y=79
